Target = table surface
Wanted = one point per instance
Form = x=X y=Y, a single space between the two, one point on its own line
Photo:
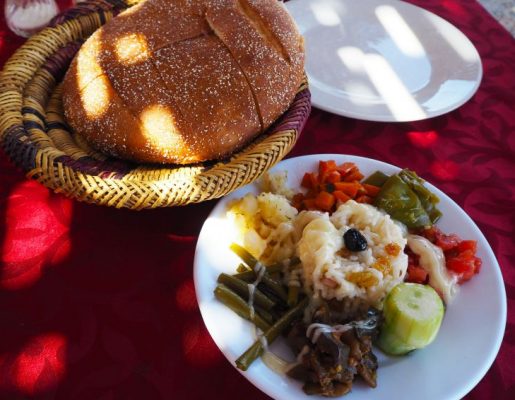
x=99 y=303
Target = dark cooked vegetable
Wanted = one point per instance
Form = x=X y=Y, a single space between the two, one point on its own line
x=242 y=288
x=336 y=353
x=378 y=178
x=256 y=350
x=354 y=240
x=239 y=306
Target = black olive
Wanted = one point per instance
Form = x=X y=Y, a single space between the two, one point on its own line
x=354 y=240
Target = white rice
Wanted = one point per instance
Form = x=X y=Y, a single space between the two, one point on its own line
x=323 y=261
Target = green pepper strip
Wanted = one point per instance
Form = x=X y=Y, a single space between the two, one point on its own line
x=378 y=178
x=256 y=350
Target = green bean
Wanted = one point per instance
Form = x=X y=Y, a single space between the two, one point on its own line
x=293 y=295
x=256 y=350
x=242 y=268
x=239 y=306
x=247 y=276
x=252 y=263
x=242 y=288
x=276 y=287
x=266 y=315
x=244 y=255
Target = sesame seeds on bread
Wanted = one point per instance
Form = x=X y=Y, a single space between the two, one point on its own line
x=184 y=81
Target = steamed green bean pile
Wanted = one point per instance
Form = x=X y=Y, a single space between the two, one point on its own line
x=256 y=293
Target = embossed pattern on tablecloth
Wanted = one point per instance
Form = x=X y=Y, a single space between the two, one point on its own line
x=97 y=303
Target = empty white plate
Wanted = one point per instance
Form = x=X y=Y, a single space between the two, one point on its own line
x=384 y=60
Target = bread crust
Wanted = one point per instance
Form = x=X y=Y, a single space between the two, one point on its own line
x=184 y=81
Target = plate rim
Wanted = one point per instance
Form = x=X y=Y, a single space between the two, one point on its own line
x=381 y=117
x=494 y=350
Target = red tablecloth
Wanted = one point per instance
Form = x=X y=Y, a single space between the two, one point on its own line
x=97 y=303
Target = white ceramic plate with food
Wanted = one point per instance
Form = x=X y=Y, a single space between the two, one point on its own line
x=448 y=368
x=384 y=60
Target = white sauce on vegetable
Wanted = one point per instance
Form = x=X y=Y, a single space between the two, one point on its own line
x=264 y=342
x=432 y=259
x=260 y=270
x=315 y=330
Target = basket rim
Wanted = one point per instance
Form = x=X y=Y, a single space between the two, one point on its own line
x=13 y=81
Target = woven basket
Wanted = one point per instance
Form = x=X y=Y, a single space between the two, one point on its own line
x=34 y=133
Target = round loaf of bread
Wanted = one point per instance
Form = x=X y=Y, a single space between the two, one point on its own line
x=184 y=81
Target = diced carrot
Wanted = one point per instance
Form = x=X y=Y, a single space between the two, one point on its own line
x=309 y=180
x=340 y=196
x=306 y=181
x=296 y=201
x=324 y=170
x=353 y=176
x=333 y=177
x=371 y=190
x=311 y=193
x=364 y=199
x=326 y=166
x=325 y=201
x=361 y=190
x=346 y=168
x=309 y=204
x=349 y=188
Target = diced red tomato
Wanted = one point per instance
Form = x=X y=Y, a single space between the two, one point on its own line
x=467 y=245
x=460 y=255
x=416 y=274
x=446 y=242
x=465 y=265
